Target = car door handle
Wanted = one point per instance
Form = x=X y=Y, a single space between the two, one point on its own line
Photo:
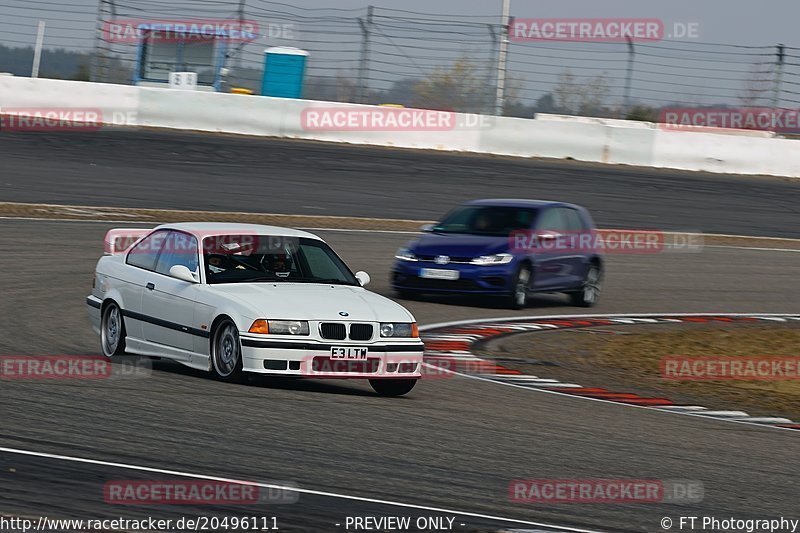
x=150 y=286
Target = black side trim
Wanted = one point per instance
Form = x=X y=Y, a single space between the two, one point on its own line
x=166 y=324
x=251 y=343
x=93 y=303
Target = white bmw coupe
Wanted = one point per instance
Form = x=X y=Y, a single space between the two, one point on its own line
x=234 y=298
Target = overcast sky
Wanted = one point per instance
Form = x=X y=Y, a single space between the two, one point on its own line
x=745 y=22
x=726 y=21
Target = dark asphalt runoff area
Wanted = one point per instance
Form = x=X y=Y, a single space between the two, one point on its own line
x=452 y=443
x=175 y=170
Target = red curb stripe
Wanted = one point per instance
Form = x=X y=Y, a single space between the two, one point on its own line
x=646 y=402
x=496 y=331
x=585 y=390
x=462 y=331
x=508 y=371
x=597 y=393
x=447 y=346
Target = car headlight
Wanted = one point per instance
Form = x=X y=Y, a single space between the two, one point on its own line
x=404 y=254
x=280 y=327
x=496 y=259
x=399 y=329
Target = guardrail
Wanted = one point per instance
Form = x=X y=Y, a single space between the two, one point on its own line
x=579 y=138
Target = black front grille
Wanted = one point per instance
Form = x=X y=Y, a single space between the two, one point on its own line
x=441 y=284
x=497 y=281
x=332 y=330
x=361 y=332
x=432 y=259
x=326 y=365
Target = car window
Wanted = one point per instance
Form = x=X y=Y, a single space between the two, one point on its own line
x=551 y=220
x=179 y=249
x=572 y=219
x=320 y=264
x=144 y=254
x=486 y=220
x=269 y=258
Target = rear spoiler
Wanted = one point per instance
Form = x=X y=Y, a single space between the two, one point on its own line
x=118 y=240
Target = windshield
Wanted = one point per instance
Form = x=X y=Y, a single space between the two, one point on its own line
x=486 y=220
x=270 y=258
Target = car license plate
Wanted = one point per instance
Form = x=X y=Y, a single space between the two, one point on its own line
x=348 y=353
x=439 y=273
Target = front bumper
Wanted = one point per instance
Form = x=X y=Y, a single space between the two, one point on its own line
x=313 y=359
x=472 y=279
x=93 y=305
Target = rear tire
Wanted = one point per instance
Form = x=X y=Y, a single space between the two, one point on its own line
x=112 y=331
x=590 y=291
x=226 y=352
x=392 y=387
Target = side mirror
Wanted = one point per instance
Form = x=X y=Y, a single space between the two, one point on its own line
x=427 y=228
x=362 y=277
x=549 y=235
x=182 y=273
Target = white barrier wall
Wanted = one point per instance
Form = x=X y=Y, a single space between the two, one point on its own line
x=726 y=153
x=547 y=136
x=119 y=104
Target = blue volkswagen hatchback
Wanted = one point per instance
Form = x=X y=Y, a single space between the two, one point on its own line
x=505 y=248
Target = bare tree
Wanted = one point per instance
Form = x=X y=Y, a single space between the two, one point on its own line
x=581 y=97
x=458 y=88
x=346 y=90
x=756 y=86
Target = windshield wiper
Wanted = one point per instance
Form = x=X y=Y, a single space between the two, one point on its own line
x=257 y=278
x=327 y=281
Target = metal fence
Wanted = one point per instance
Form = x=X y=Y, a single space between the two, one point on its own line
x=439 y=61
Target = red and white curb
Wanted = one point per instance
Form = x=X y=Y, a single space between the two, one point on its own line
x=448 y=347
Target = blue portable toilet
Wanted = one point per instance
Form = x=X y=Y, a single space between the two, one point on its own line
x=284 y=68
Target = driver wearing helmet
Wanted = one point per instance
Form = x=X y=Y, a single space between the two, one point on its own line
x=280 y=264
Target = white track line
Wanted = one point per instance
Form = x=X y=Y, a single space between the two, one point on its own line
x=706 y=414
x=697 y=414
x=498 y=320
x=291 y=489
x=398 y=232
x=757 y=249
x=155 y=223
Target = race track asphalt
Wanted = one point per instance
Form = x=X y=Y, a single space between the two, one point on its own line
x=174 y=170
x=452 y=443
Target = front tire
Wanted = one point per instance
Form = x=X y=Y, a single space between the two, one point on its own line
x=226 y=352
x=392 y=387
x=112 y=331
x=519 y=294
x=590 y=291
